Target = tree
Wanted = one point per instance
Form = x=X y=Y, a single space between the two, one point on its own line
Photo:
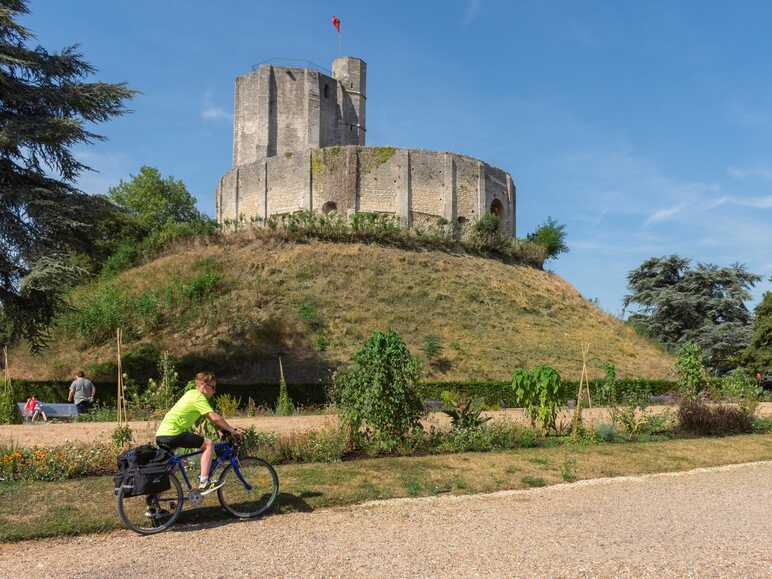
x=758 y=356
x=552 y=236
x=154 y=201
x=45 y=105
x=676 y=303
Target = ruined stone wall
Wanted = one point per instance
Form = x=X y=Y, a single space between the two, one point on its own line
x=280 y=110
x=415 y=185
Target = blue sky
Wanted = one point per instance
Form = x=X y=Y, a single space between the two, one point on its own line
x=645 y=127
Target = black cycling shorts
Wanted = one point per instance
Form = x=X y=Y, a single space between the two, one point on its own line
x=184 y=440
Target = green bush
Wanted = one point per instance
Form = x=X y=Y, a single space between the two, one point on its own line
x=464 y=413
x=122 y=436
x=540 y=394
x=432 y=347
x=284 y=405
x=486 y=234
x=9 y=412
x=227 y=405
x=379 y=390
x=690 y=369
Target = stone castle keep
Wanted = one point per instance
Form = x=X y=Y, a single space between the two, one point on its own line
x=299 y=144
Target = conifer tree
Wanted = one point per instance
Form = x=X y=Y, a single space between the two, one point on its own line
x=46 y=105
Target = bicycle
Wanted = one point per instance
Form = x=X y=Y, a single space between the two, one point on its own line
x=248 y=493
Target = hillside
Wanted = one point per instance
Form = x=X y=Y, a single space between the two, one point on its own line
x=232 y=306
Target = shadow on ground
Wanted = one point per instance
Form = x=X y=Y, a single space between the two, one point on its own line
x=194 y=519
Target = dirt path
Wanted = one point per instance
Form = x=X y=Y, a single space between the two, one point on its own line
x=714 y=522
x=51 y=434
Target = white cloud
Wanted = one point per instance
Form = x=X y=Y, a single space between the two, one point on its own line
x=740 y=173
x=215 y=114
x=664 y=214
x=212 y=112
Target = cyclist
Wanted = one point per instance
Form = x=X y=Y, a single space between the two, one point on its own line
x=175 y=429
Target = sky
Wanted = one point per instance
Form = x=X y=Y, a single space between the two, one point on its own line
x=644 y=127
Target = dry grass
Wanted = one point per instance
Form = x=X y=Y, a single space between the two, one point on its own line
x=41 y=509
x=491 y=317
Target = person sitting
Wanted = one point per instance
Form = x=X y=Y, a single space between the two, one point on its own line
x=176 y=426
x=33 y=408
x=82 y=392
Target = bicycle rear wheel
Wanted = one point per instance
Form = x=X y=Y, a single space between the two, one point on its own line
x=256 y=496
x=150 y=514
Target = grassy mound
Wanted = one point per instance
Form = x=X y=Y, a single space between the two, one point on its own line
x=234 y=304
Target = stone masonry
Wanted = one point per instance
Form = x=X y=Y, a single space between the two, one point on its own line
x=298 y=144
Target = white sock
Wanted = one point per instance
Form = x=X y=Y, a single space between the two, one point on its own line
x=203 y=480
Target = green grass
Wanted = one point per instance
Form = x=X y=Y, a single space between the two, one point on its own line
x=87 y=505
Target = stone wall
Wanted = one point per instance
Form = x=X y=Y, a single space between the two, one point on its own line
x=280 y=110
x=417 y=186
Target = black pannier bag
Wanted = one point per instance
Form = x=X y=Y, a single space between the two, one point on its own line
x=143 y=470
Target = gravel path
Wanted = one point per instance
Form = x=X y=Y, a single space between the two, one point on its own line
x=706 y=522
x=52 y=434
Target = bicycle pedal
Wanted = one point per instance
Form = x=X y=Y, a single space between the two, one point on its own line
x=196 y=498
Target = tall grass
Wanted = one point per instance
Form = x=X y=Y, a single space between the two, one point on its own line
x=482 y=238
x=97 y=310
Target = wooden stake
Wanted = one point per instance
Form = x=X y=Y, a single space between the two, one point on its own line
x=584 y=384
x=281 y=371
x=6 y=370
x=121 y=402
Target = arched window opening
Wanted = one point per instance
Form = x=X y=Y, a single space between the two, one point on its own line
x=329 y=207
x=326 y=91
x=497 y=208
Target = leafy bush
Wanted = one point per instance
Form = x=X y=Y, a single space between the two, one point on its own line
x=9 y=413
x=552 y=237
x=122 y=436
x=690 y=370
x=740 y=386
x=540 y=394
x=698 y=418
x=464 y=413
x=380 y=389
x=486 y=234
x=284 y=405
x=227 y=405
x=605 y=432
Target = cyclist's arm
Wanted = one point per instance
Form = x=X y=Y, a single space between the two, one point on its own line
x=220 y=422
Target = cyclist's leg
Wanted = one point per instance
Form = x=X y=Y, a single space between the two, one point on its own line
x=206 y=459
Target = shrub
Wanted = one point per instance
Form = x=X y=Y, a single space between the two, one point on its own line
x=432 y=347
x=464 y=413
x=552 y=237
x=630 y=414
x=122 y=436
x=540 y=394
x=740 y=386
x=486 y=234
x=379 y=389
x=8 y=411
x=227 y=404
x=696 y=417
x=690 y=370
x=284 y=405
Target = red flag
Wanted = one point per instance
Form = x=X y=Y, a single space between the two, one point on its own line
x=336 y=23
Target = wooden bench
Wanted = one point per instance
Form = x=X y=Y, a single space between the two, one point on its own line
x=51 y=410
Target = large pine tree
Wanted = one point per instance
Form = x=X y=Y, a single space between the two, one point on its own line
x=46 y=106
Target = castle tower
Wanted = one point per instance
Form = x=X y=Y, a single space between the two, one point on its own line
x=283 y=110
x=352 y=75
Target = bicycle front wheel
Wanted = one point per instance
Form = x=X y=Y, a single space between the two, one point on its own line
x=150 y=514
x=250 y=489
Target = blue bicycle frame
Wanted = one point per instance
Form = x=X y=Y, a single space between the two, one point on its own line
x=224 y=454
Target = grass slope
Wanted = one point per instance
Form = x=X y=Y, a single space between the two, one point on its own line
x=317 y=302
